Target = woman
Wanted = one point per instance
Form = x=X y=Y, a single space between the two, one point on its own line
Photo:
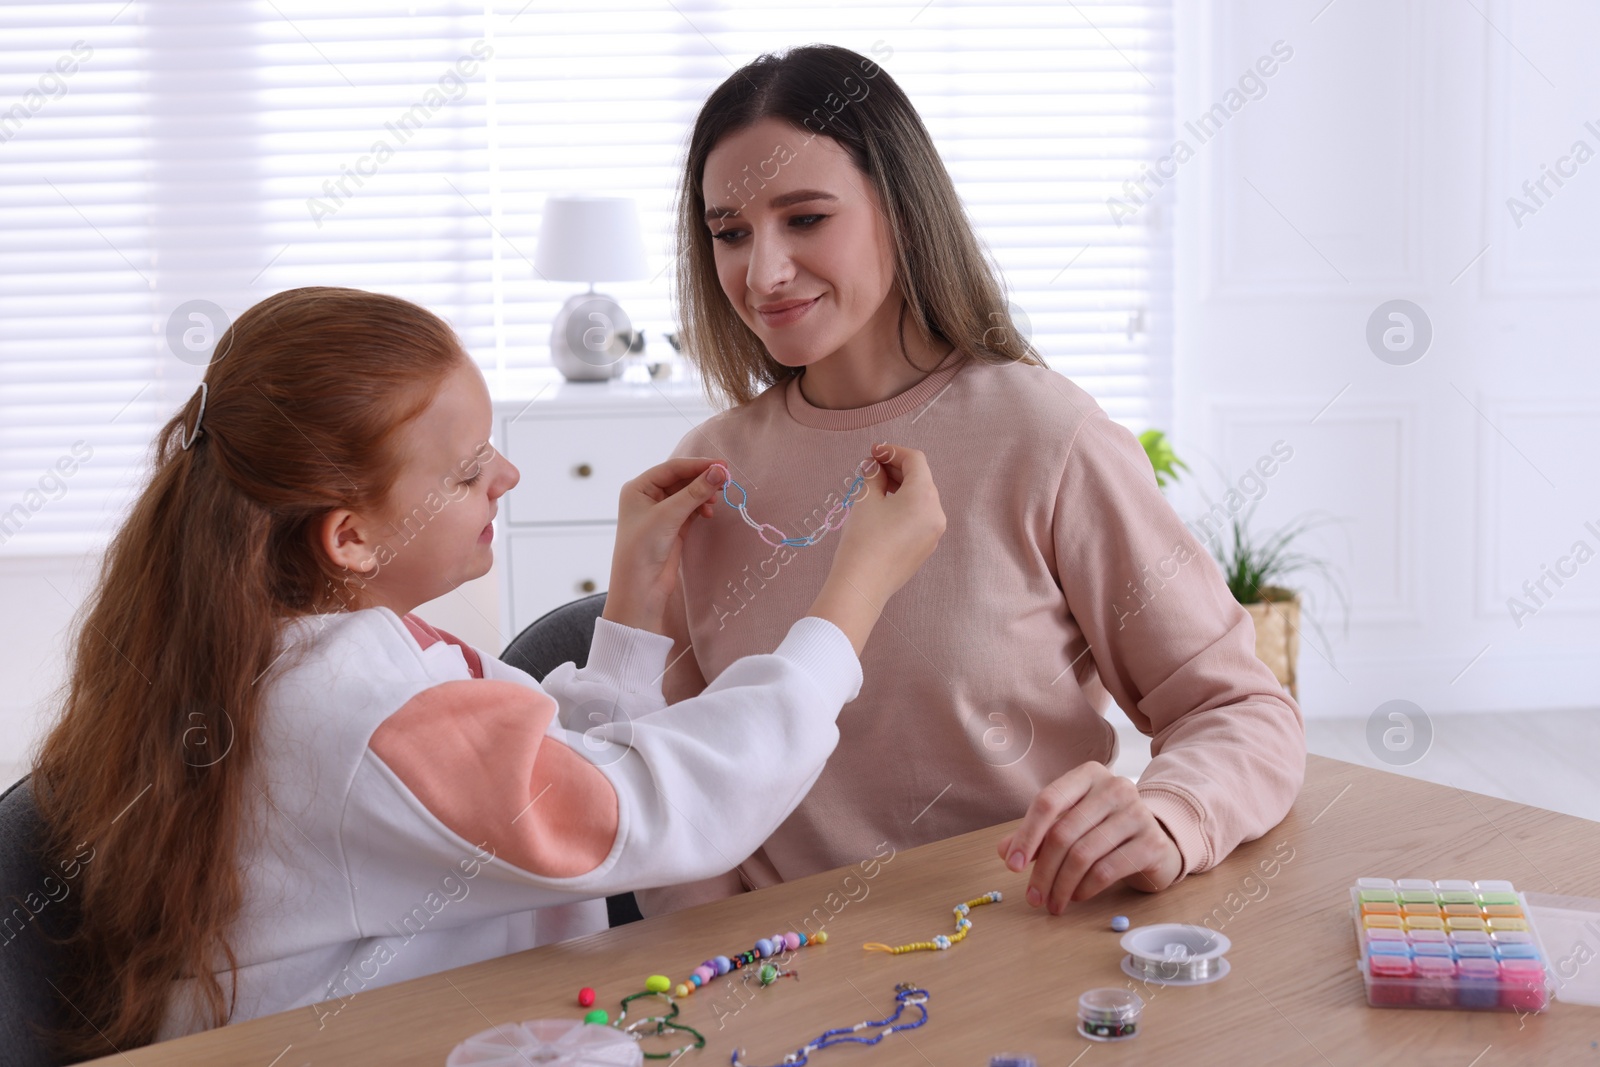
x=832 y=290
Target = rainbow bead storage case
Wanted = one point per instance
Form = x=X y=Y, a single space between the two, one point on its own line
x=1448 y=944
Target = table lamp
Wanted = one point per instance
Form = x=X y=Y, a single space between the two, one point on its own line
x=590 y=239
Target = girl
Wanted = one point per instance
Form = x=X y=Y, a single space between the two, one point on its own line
x=295 y=789
x=831 y=289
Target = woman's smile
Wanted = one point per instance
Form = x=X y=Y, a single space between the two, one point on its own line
x=787 y=312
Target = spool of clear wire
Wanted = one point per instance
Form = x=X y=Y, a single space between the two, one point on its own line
x=548 y=1043
x=1175 y=954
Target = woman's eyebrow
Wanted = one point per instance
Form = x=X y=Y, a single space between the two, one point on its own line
x=799 y=196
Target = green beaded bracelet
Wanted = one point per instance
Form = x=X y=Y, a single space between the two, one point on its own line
x=663 y=1025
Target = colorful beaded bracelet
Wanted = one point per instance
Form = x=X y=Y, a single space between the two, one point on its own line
x=840 y=509
x=905 y=995
x=941 y=942
x=718 y=966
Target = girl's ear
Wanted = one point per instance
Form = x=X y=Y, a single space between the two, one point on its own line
x=343 y=536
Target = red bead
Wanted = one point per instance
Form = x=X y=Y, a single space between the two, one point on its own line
x=585 y=997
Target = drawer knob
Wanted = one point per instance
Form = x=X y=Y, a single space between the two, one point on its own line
x=587 y=585
x=583 y=470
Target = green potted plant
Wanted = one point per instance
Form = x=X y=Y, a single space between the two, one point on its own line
x=1256 y=570
x=1162 y=457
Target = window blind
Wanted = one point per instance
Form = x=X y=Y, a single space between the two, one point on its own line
x=168 y=163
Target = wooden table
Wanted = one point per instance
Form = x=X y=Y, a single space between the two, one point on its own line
x=1293 y=996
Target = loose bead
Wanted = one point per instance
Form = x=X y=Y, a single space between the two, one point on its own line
x=820 y=937
x=657 y=983
x=682 y=990
x=1119 y=923
x=598 y=1016
x=585 y=997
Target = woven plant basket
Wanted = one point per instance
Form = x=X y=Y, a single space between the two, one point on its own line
x=1277 y=619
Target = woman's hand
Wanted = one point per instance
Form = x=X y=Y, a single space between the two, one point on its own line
x=1084 y=832
x=652 y=513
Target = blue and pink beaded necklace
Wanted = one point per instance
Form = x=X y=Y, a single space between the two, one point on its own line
x=839 y=511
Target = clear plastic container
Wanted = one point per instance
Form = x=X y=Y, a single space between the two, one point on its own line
x=553 y=1042
x=1452 y=944
x=1109 y=1014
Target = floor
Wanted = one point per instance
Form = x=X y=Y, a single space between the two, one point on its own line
x=1547 y=759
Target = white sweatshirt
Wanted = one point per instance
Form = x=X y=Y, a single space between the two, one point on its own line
x=422 y=806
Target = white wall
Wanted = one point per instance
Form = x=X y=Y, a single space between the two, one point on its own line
x=1377 y=165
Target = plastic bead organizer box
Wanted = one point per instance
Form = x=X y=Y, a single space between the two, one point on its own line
x=1468 y=945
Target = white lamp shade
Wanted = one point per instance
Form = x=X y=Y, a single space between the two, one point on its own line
x=590 y=239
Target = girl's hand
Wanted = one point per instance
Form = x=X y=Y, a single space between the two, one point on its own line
x=893 y=527
x=1084 y=832
x=895 y=524
x=652 y=513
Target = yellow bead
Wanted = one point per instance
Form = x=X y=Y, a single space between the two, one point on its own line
x=821 y=938
x=683 y=990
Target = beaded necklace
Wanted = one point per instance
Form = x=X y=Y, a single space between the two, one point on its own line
x=664 y=1024
x=941 y=942
x=718 y=966
x=904 y=994
x=840 y=510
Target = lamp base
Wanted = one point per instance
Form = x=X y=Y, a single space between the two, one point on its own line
x=590 y=337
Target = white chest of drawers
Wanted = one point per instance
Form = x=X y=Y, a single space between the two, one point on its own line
x=575 y=444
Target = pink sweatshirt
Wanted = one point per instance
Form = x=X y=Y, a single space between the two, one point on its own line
x=1064 y=582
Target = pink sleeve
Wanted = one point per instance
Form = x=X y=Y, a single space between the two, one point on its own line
x=476 y=755
x=1175 y=650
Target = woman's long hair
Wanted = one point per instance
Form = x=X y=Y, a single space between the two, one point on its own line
x=951 y=292
x=150 y=764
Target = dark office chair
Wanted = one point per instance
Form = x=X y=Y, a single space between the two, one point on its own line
x=31 y=906
x=561 y=636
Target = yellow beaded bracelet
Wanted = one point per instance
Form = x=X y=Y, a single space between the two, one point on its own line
x=941 y=942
